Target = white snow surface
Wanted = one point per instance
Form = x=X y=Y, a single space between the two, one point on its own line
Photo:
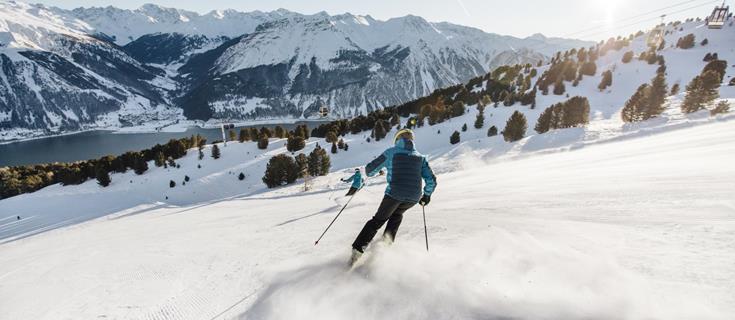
x=564 y=225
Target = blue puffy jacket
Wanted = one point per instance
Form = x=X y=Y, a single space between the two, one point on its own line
x=356 y=180
x=406 y=168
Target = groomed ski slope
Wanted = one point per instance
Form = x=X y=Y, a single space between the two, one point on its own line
x=629 y=229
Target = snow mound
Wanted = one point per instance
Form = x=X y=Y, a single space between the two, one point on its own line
x=496 y=275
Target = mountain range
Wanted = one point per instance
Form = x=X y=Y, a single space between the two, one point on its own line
x=101 y=68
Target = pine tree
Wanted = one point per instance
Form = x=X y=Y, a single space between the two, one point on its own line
x=232 y=135
x=254 y=134
x=264 y=131
x=319 y=162
x=102 y=175
x=702 y=90
x=454 y=138
x=215 y=152
x=279 y=132
x=458 y=108
x=515 y=127
x=331 y=136
x=295 y=143
x=241 y=176
x=201 y=154
x=559 y=88
x=140 y=165
x=628 y=56
x=347 y=146
x=159 y=161
x=721 y=107
x=686 y=42
x=302 y=162
x=334 y=147
x=171 y=184
x=244 y=135
x=186 y=178
x=704 y=42
x=674 y=89
x=493 y=131
x=718 y=66
x=379 y=130
x=341 y=144
x=263 y=142
x=647 y=102
x=606 y=80
x=480 y=120
x=280 y=170
x=464 y=127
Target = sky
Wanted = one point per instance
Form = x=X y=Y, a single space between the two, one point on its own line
x=583 y=19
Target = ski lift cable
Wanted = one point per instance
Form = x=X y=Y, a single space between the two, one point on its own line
x=631 y=17
x=584 y=32
x=653 y=18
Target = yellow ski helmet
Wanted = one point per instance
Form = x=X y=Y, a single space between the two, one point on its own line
x=405 y=132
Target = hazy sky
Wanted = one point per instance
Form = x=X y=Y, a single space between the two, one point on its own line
x=587 y=19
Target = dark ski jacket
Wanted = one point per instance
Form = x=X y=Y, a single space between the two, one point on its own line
x=406 y=168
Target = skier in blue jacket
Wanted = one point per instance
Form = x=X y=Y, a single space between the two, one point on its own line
x=406 y=168
x=356 y=182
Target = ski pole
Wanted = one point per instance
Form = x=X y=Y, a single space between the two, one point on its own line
x=426 y=232
x=335 y=219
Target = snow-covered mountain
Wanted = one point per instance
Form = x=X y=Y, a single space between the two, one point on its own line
x=67 y=70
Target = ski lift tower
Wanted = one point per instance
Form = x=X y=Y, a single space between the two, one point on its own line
x=657 y=34
x=718 y=17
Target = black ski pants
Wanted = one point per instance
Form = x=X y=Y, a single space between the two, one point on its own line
x=390 y=210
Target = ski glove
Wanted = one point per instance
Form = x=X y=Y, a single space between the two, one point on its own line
x=425 y=200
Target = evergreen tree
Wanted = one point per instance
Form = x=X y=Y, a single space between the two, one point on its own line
x=265 y=132
x=319 y=162
x=280 y=133
x=493 y=131
x=674 y=89
x=244 y=135
x=186 y=178
x=395 y=120
x=241 y=176
x=588 y=69
x=454 y=138
x=628 y=56
x=718 y=66
x=280 y=170
x=201 y=154
x=159 y=161
x=458 y=108
x=215 y=152
x=647 y=102
x=704 y=42
x=334 y=147
x=302 y=162
x=295 y=143
x=232 y=135
x=721 y=107
x=606 y=80
x=702 y=90
x=263 y=142
x=140 y=166
x=559 y=88
x=379 y=131
x=331 y=136
x=686 y=42
x=171 y=184
x=515 y=127
x=480 y=120
x=102 y=175
x=341 y=144
x=464 y=127
x=254 y=134
x=347 y=146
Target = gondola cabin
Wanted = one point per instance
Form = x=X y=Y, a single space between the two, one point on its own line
x=718 y=17
x=323 y=111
